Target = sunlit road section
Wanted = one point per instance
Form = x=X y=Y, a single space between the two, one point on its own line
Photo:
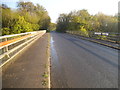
x=77 y=63
x=27 y=68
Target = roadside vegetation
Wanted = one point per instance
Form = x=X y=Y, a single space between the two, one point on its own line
x=26 y=17
x=82 y=21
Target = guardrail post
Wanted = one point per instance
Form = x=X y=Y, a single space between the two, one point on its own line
x=6 y=49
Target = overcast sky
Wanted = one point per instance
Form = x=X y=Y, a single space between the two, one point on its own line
x=56 y=7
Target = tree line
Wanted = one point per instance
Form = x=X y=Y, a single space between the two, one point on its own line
x=26 y=17
x=82 y=21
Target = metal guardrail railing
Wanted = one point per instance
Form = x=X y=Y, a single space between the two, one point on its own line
x=106 y=36
x=11 y=44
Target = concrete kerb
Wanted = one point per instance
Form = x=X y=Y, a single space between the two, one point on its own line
x=49 y=81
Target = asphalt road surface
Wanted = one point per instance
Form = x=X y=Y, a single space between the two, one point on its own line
x=78 y=63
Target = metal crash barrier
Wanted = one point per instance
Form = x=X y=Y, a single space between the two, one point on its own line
x=106 y=36
x=10 y=45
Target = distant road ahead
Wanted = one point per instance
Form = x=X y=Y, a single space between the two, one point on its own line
x=77 y=63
